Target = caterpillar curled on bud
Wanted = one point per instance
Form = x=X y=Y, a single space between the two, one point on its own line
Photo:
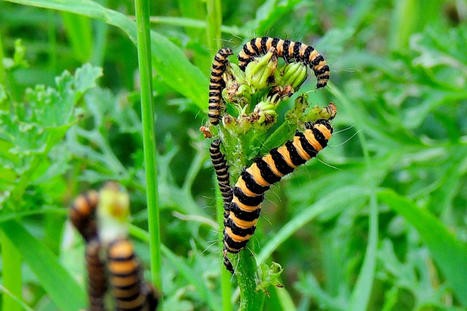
x=126 y=283
x=217 y=84
x=255 y=180
x=222 y=174
x=97 y=276
x=288 y=50
x=83 y=214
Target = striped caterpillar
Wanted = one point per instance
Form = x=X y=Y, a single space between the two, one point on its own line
x=288 y=50
x=129 y=291
x=217 y=84
x=254 y=181
x=97 y=276
x=83 y=214
x=222 y=174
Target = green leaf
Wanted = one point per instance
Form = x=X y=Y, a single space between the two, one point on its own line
x=448 y=252
x=57 y=282
x=168 y=59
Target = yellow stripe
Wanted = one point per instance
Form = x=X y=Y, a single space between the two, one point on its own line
x=286 y=155
x=270 y=162
x=122 y=248
x=250 y=48
x=242 y=185
x=312 y=140
x=280 y=47
x=235 y=237
x=124 y=281
x=320 y=65
x=122 y=266
x=298 y=146
x=255 y=172
x=258 y=43
x=291 y=48
x=243 y=207
x=268 y=43
x=313 y=55
x=244 y=224
x=302 y=49
x=324 y=130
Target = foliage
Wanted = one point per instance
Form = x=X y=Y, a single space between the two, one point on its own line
x=377 y=223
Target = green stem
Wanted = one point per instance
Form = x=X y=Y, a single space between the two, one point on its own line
x=250 y=298
x=2 y=69
x=214 y=24
x=149 y=138
x=226 y=277
x=11 y=274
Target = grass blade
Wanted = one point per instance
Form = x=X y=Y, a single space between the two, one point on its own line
x=448 y=252
x=57 y=282
x=149 y=138
x=11 y=274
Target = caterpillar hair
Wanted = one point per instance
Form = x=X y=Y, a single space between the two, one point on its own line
x=222 y=174
x=97 y=277
x=217 y=84
x=254 y=181
x=83 y=214
x=129 y=291
x=288 y=50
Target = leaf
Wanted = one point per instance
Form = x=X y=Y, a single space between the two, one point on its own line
x=168 y=60
x=448 y=252
x=56 y=281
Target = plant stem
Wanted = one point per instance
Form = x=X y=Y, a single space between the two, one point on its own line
x=11 y=274
x=250 y=298
x=226 y=285
x=149 y=138
x=214 y=25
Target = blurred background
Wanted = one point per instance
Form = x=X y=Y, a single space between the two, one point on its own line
x=383 y=209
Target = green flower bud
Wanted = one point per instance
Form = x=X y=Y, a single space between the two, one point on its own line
x=260 y=72
x=294 y=74
x=113 y=212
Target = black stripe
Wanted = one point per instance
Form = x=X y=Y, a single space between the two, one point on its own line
x=215 y=80
x=266 y=171
x=214 y=116
x=317 y=60
x=294 y=155
x=131 y=297
x=296 y=51
x=214 y=101
x=246 y=216
x=220 y=59
x=321 y=84
x=132 y=273
x=252 y=185
x=137 y=308
x=247 y=200
x=285 y=48
x=306 y=145
x=248 y=52
x=263 y=44
x=253 y=45
x=216 y=87
x=240 y=231
x=214 y=74
x=307 y=53
x=325 y=123
x=215 y=107
x=241 y=59
x=214 y=93
x=233 y=244
x=274 y=42
x=324 y=69
x=280 y=163
x=121 y=258
x=320 y=137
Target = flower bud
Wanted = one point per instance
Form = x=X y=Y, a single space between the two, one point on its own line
x=294 y=74
x=260 y=72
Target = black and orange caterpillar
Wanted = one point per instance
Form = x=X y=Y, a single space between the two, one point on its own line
x=288 y=50
x=97 y=276
x=217 y=84
x=127 y=287
x=83 y=214
x=254 y=181
x=222 y=174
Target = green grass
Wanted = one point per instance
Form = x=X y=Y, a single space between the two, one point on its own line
x=376 y=223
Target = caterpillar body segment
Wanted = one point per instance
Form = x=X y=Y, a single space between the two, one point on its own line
x=128 y=290
x=83 y=214
x=255 y=180
x=217 y=84
x=222 y=174
x=289 y=50
x=97 y=276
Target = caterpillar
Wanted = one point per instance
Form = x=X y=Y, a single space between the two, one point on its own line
x=83 y=214
x=217 y=84
x=288 y=50
x=129 y=291
x=222 y=174
x=254 y=181
x=97 y=277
